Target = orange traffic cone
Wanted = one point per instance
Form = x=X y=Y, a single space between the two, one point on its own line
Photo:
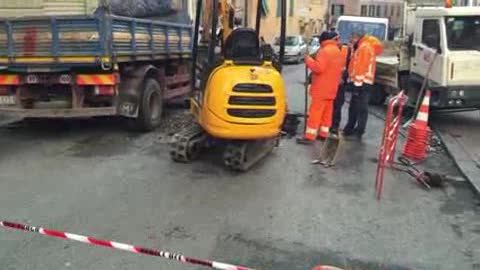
x=419 y=132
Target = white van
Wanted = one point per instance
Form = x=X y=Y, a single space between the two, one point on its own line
x=346 y=25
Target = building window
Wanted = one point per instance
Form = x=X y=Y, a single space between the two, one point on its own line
x=337 y=10
x=371 y=11
x=385 y=11
x=399 y=11
x=279 y=8
x=364 y=10
x=392 y=11
x=378 y=11
x=291 y=8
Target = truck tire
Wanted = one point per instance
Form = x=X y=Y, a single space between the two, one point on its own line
x=377 y=96
x=150 y=107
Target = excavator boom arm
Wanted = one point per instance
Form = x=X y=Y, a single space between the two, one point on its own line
x=227 y=17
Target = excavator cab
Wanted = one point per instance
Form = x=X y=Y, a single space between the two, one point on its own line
x=243 y=46
x=238 y=91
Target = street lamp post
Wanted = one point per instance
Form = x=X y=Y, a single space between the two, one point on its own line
x=245 y=13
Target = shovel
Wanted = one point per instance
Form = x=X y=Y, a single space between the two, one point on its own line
x=330 y=151
x=305 y=107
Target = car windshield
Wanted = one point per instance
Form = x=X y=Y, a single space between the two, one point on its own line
x=463 y=33
x=347 y=28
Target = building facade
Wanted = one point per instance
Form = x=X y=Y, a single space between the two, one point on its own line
x=304 y=17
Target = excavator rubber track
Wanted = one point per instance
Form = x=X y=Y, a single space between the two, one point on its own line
x=188 y=144
x=242 y=155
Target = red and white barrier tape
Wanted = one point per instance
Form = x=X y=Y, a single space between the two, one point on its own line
x=120 y=246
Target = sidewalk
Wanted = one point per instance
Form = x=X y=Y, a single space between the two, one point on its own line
x=460 y=133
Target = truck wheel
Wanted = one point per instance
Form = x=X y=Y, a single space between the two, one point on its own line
x=151 y=107
x=377 y=96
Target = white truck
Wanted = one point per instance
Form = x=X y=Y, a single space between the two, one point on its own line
x=439 y=47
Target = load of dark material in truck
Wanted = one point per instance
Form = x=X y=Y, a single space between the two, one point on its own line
x=141 y=8
x=165 y=10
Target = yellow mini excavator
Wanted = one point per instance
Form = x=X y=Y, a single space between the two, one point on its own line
x=239 y=95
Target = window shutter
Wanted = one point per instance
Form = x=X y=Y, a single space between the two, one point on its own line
x=292 y=8
x=279 y=8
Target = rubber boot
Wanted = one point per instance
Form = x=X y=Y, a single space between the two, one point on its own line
x=304 y=141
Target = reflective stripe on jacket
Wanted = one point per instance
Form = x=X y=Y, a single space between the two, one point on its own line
x=363 y=64
x=326 y=70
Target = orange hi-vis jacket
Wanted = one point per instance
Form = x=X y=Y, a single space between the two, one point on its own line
x=362 y=66
x=326 y=71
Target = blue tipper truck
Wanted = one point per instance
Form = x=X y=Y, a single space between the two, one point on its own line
x=96 y=65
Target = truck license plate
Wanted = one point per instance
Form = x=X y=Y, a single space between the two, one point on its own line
x=7 y=100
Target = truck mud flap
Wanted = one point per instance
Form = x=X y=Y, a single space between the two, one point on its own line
x=130 y=88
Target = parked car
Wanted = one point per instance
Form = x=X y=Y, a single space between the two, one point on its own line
x=295 y=49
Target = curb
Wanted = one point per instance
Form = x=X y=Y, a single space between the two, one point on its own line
x=475 y=188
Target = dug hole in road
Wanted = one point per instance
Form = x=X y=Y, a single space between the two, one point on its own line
x=91 y=177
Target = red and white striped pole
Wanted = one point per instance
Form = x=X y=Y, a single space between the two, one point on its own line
x=121 y=246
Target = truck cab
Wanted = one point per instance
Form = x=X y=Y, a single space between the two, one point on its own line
x=444 y=49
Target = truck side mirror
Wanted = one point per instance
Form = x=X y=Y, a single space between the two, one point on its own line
x=410 y=46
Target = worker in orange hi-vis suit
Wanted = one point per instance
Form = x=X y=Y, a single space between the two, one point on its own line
x=326 y=70
x=340 y=100
x=362 y=75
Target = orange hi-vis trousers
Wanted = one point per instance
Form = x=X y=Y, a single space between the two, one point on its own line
x=319 y=119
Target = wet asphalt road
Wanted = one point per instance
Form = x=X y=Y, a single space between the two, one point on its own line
x=92 y=177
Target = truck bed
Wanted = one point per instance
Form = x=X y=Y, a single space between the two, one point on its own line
x=387 y=70
x=100 y=39
x=388 y=65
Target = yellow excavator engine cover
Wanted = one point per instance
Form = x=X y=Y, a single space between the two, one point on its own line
x=242 y=102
